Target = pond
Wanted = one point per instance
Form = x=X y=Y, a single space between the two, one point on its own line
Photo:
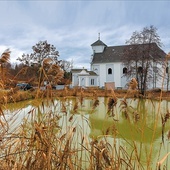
x=134 y=130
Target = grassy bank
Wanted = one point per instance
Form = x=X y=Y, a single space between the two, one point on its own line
x=15 y=95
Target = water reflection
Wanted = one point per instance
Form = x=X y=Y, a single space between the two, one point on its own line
x=102 y=123
x=140 y=126
x=140 y=129
x=144 y=134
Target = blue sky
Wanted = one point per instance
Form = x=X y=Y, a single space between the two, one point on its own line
x=72 y=26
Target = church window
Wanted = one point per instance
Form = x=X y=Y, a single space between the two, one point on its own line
x=140 y=69
x=92 y=81
x=167 y=69
x=109 y=71
x=124 y=70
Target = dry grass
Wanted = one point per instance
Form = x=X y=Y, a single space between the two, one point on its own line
x=15 y=95
x=50 y=139
x=42 y=142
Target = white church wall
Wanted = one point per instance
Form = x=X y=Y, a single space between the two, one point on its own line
x=102 y=77
x=99 y=69
x=83 y=81
x=95 y=68
x=124 y=79
x=75 y=81
x=98 y=49
x=117 y=74
x=157 y=81
x=110 y=72
x=102 y=70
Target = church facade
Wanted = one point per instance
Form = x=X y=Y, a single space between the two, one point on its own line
x=107 y=69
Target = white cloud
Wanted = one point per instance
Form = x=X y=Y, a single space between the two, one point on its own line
x=72 y=26
x=15 y=53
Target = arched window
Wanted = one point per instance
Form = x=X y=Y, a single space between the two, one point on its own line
x=92 y=81
x=109 y=71
x=167 y=69
x=140 y=69
x=124 y=70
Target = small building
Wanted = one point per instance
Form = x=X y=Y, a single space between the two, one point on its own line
x=84 y=78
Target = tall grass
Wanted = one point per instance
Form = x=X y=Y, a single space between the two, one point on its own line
x=54 y=133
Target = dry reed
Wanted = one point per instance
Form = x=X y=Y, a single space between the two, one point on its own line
x=45 y=142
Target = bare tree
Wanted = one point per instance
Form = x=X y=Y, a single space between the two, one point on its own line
x=167 y=77
x=41 y=51
x=142 y=56
x=66 y=65
x=45 y=58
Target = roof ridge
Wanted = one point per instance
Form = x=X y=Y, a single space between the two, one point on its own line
x=98 y=42
x=129 y=45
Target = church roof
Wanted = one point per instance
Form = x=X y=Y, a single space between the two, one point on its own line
x=98 y=42
x=80 y=72
x=116 y=53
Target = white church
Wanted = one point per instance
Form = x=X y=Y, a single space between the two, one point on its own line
x=107 y=69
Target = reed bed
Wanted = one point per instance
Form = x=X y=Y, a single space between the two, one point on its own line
x=52 y=138
x=54 y=133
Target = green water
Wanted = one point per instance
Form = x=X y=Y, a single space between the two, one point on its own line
x=140 y=127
